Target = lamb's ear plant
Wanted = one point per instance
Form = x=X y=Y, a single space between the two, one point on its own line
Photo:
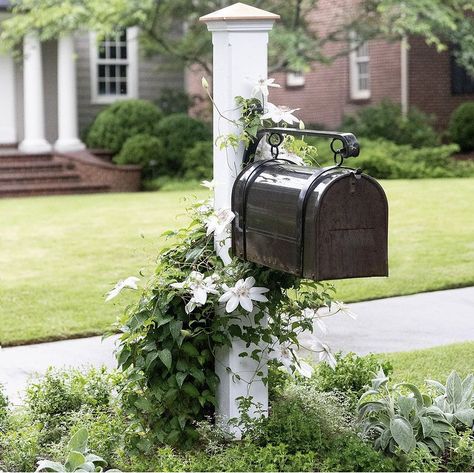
x=78 y=458
x=399 y=418
x=456 y=399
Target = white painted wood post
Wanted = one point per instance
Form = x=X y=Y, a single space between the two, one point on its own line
x=33 y=97
x=68 y=139
x=240 y=40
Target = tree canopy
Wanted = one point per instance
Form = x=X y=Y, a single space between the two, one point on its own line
x=172 y=27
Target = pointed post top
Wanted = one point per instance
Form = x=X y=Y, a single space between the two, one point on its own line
x=239 y=11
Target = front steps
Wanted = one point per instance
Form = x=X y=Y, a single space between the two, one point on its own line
x=41 y=174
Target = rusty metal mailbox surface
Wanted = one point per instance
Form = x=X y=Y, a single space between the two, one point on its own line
x=318 y=223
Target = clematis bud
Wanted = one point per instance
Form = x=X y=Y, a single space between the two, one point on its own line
x=301 y=126
x=204 y=83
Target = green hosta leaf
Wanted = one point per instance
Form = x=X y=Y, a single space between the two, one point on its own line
x=466 y=416
x=454 y=389
x=74 y=460
x=46 y=465
x=165 y=357
x=402 y=433
x=78 y=441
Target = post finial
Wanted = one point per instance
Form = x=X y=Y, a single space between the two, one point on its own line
x=239 y=11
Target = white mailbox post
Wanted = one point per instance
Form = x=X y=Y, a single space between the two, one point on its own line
x=240 y=41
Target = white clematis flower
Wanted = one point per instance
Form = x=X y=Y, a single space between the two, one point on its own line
x=199 y=287
x=290 y=361
x=243 y=294
x=209 y=184
x=341 y=307
x=324 y=352
x=130 y=282
x=280 y=114
x=313 y=314
x=219 y=222
x=262 y=86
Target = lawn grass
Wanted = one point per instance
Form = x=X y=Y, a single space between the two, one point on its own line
x=432 y=363
x=60 y=255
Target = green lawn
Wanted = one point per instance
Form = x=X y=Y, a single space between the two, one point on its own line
x=433 y=363
x=60 y=255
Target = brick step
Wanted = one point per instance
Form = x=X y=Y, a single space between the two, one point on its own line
x=21 y=190
x=14 y=157
x=21 y=166
x=39 y=177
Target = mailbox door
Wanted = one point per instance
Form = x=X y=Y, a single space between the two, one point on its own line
x=347 y=221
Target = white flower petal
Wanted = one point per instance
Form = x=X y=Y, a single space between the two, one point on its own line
x=232 y=304
x=305 y=369
x=258 y=297
x=246 y=303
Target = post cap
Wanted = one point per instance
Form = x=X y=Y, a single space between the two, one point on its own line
x=239 y=11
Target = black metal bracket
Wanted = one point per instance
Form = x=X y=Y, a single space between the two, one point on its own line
x=350 y=145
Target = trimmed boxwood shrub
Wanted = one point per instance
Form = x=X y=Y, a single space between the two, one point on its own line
x=179 y=133
x=461 y=126
x=122 y=120
x=198 y=161
x=385 y=120
x=145 y=150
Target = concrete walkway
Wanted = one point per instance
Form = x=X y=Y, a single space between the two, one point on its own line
x=384 y=325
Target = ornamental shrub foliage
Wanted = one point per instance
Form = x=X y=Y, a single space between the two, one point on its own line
x=179 y=133
x=145 y=150
x=461 y=126
x=385 y=120
x=122 y=120
x=197 y=164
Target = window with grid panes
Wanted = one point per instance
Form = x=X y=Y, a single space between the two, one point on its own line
x=113 y=64
x=359 y=70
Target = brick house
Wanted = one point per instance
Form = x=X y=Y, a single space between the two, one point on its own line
x=409 y=73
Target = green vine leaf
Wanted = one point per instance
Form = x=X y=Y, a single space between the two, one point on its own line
x=165 y=357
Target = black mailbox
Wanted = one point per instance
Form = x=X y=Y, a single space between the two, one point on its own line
x=318 y=223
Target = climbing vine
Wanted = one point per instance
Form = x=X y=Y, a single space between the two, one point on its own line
x=194 y=305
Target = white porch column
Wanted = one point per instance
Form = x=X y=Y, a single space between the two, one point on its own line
x=8 y=134
x=240 y=40
x=33 y=97
x=68 y=139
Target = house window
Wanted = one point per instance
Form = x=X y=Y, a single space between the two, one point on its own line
x=359 y=70
x=114 y=66
x=461 y=81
